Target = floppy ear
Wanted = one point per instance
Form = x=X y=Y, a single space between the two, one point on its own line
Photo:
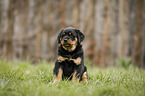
x=59 y=36
x=80 y=35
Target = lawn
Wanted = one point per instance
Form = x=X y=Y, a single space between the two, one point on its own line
x=25 y=79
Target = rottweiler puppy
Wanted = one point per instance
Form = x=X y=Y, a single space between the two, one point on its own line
x=70 y=60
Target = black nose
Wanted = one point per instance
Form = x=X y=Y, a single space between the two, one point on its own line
x=65 y=40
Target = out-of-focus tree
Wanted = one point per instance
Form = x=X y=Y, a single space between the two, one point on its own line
x=113 y=29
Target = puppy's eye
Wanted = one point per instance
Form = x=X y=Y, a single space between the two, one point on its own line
x=69 y=33
x=63 y=33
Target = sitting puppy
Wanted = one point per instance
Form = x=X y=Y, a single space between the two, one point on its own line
x=70 y=61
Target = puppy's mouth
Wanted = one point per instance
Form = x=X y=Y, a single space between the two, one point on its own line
x=67 y=45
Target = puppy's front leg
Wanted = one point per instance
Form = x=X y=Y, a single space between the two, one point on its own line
x=58 y=77
x=75 y=77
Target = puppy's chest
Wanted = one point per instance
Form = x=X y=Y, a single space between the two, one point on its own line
x=68 y=64
x=69 y=61
x=68 y=67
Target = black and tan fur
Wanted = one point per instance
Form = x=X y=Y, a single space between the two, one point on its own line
x=70 y=60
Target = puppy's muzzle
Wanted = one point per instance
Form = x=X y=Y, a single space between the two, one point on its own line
x=65 y=40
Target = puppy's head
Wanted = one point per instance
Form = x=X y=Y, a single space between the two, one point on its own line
x=69 y=38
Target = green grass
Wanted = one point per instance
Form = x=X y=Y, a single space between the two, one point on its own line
x=25 y=79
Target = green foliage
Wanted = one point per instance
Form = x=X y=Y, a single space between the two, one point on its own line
x=124 y=63
x=24 y=79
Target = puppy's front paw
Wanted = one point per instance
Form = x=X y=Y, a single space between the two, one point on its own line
x=60 y=58
x=77 y=61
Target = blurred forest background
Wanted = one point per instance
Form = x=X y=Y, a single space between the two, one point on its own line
x=113 y=29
